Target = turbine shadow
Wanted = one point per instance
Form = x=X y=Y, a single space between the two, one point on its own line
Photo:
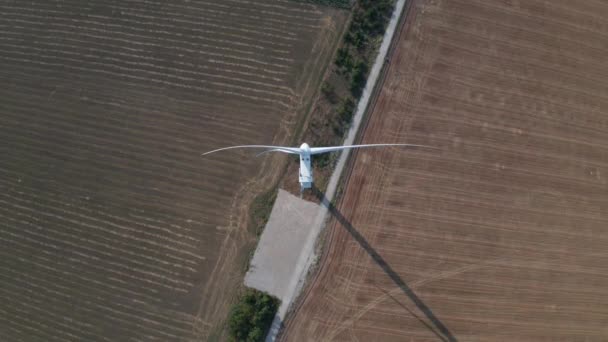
x=443 y=332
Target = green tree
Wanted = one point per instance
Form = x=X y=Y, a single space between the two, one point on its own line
x=252 y=316
x=344 y=60
x=359 y=78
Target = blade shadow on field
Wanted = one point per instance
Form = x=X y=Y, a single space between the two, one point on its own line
x=443 y=332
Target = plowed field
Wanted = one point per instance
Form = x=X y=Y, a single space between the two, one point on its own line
x=112 y=227
x=501 y=233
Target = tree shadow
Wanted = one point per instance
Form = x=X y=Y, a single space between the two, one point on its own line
x=440 y=329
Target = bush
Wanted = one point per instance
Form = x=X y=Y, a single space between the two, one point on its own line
x=341 y=56
x=252 y=316
x=358 y=30
x=344 y=60
x=377 y=15
x=329 y=91
x=321 y=160
x=369 y=21
x=346 y=110
x=359 y=77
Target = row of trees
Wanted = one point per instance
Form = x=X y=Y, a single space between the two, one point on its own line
x=369 y=22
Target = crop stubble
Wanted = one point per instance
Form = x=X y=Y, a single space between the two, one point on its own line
x=501 y=233
x=111 y=225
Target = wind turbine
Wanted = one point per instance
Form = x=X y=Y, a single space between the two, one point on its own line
x=305 y=153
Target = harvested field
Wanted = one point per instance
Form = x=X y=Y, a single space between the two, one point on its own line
x=501 y=233
x=112 y=227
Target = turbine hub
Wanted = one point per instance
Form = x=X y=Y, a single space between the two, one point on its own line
x=305 y=147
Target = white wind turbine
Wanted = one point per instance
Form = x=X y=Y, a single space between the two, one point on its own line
x=305 y=152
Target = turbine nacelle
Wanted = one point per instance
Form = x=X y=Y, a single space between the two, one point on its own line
x=305 y=168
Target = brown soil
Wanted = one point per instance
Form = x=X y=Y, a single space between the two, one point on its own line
x=113 y=226
x=500 y=234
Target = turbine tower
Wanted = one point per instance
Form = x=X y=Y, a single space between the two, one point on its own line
x=305 y=153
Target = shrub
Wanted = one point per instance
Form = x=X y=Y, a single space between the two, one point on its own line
x=329 y=91
x=344 y=60
x=322 y=160
x=359 y=77
x=369 y=21
x=346 y=110
x=252 y=316
x=341 y=56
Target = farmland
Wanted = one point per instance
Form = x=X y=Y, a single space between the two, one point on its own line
x=112 y=227
x=498 y=234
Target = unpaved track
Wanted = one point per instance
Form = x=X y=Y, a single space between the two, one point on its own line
x=502 y=234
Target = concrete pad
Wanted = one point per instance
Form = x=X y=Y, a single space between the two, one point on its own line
x=281 y=244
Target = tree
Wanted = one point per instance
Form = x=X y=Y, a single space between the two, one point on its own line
x=344 y=60
x=252 y=316
x=359 y=78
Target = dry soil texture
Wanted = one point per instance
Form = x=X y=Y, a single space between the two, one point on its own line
x=501 y=233
x=112 y=227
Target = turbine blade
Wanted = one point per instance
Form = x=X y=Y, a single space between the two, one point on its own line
x=277 y=150
x=317 y=150
x=292 y=150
